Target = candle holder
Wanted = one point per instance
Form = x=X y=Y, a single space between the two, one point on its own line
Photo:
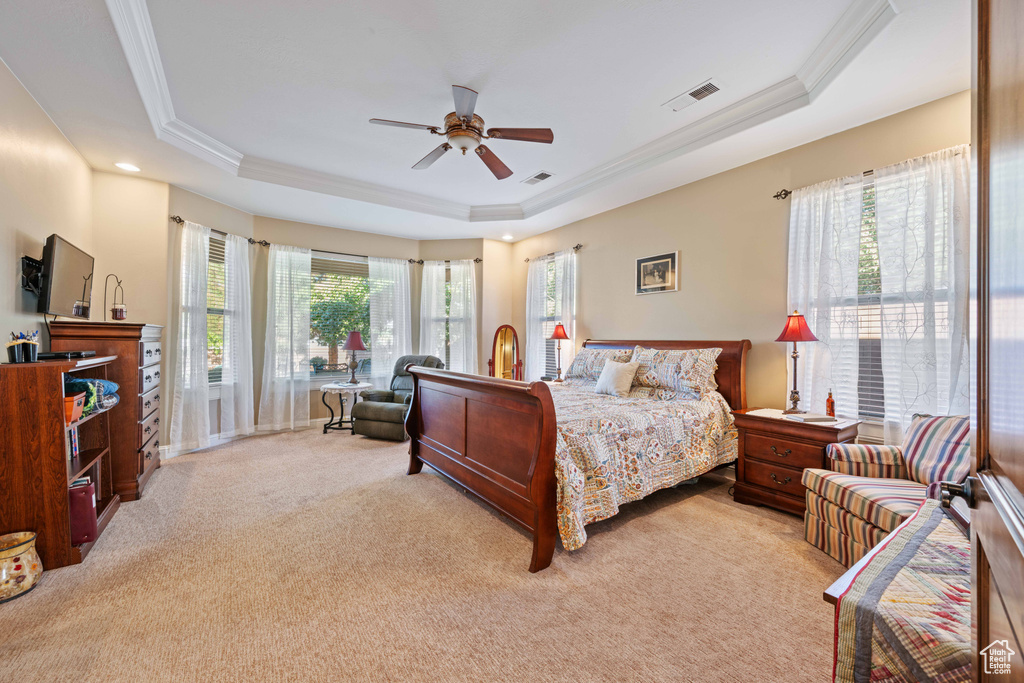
x=118 y=311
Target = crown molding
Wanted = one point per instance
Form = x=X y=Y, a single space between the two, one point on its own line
x=135 y=31
x=496 y=212
x=277 y=173
x=859 y=25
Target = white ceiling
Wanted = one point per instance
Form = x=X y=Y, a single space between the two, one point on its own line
x=220 y=98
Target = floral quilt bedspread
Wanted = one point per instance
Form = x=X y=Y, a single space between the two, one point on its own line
x=612 y=450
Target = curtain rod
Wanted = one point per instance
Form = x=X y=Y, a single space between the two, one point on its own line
x=576 y=247
x=263 y=243
x=783 y=193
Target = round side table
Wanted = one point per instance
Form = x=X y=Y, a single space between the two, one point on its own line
x=341 y=389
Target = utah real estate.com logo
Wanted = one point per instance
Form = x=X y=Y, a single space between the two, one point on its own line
x=997 y=657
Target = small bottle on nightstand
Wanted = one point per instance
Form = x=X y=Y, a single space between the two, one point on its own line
x=830 y=405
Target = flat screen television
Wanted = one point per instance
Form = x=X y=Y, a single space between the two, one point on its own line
x=66 y=283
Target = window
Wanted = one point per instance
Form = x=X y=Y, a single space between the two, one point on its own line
x=448 y=313
x=339 y=303
x=551 y=299
x=215 y=310
x=870 y=383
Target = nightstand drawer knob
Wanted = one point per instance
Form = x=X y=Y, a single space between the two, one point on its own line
x=783 y=482
x=783 y=454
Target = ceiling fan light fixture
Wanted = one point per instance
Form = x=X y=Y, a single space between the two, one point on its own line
x=463 y=142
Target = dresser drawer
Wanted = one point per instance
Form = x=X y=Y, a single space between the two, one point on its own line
x=777 y=478
x=149 y=352
x=149 y=454
x=781 y=451
x=149 y=402
x=148 y=427
x=149 y=378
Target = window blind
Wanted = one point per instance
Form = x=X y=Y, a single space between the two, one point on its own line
x=339 y=303
x=215 y=310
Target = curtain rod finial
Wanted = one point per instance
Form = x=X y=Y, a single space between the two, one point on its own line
x=782 y=194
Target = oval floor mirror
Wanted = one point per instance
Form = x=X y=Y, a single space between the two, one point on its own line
x=505 y=362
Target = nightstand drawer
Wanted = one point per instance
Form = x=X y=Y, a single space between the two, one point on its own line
x=777 y=478
x=781 y=451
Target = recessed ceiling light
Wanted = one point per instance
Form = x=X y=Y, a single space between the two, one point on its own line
x=124 y=166
x=507 y=238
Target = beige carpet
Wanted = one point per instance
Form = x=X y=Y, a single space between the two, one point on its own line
x=315 y=558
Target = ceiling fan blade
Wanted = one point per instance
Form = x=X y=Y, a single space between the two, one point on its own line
x=426 y=161
x=499 y=169
x=525 y=134
x=465 y=101
x=402 y=124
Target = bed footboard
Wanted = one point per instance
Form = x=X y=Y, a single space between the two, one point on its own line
x=496 y=439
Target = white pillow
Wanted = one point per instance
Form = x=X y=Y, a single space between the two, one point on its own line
x=616 y=378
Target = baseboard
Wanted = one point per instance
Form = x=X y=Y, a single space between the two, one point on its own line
x=166 y=453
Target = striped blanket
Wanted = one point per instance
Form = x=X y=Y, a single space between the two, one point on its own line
x=907 y=615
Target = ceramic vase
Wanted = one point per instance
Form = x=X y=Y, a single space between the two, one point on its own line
x=20 y=567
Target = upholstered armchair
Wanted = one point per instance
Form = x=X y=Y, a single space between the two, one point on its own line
x=869 y=490
x=381 y=413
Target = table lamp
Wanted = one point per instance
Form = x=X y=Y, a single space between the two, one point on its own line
x=559 y=334
x=796 y=330
x=353 y=343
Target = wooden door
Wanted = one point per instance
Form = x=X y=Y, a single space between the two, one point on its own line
x=997 y=518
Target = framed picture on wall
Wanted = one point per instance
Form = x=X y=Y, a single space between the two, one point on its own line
x=657 y=273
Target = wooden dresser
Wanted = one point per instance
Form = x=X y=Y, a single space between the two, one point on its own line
x=36 y=467
x=135 y=427
x=773 y=454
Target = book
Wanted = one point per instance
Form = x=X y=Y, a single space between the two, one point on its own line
x=73 y=434
x=810 y=417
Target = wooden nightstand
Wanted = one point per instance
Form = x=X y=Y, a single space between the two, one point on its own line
x=773 y=453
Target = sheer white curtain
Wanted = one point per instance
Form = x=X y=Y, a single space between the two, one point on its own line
x=923 y=218
x=284 y=401
x=390 y=317
x=236 y=385
x=550 y=299
x=824 y=252
x=190 y=407
x=449 y=312
x=462 y=326
x=433 y=309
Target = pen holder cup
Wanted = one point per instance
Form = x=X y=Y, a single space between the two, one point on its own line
x=30 y=354
x=15 y=353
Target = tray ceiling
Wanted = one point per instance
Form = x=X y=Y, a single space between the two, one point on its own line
x=264 y=105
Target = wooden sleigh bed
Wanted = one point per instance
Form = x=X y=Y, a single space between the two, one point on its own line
x=496 y=438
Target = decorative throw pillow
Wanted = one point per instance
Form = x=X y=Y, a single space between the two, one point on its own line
x=589 y=363
x=616 y=378
x=938 y=449
x=690 y=372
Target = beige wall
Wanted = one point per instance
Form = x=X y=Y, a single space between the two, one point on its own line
x=496 y=296
x=732 y=239
x=45 y=188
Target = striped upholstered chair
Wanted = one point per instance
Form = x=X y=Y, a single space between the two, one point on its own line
x=869 y=490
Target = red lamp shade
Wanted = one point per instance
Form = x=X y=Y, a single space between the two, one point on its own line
x=354 y=342
x=796 y=330
x=559 y=332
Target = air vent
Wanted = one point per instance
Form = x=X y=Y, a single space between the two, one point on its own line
x=696 y=94
x=538 y=177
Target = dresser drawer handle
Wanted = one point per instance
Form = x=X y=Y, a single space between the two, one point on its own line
x=783 y=454
x=156 y=421
x=149 y=455
x=149 y=378
x=157 y=374
x=783 y=482
x=157 y=397
x=148 y=404
x=147 y=430
x=158 y=350
x=149 y=353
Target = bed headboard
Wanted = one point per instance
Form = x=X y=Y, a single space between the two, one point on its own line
x=732 y=362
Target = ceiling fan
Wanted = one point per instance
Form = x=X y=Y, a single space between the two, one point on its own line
x=464 y=130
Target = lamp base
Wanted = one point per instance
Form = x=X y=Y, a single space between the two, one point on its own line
x=793 y=411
